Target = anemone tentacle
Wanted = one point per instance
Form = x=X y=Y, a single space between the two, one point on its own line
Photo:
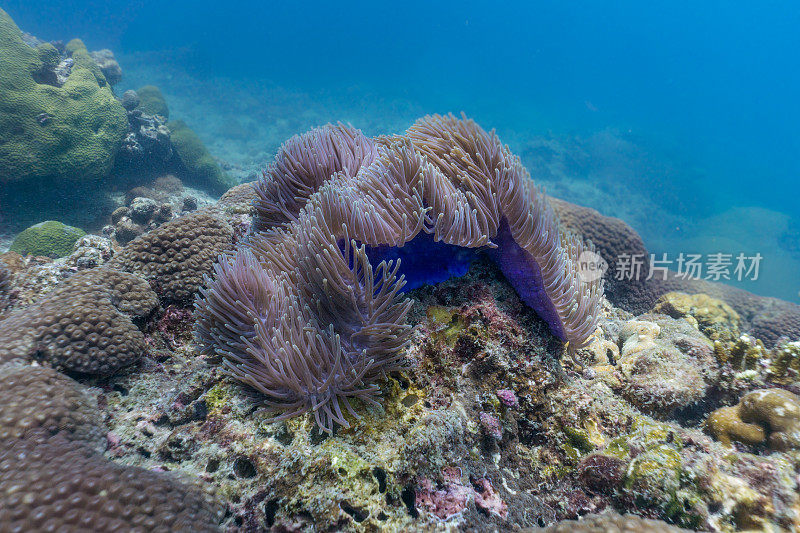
x=300 y=313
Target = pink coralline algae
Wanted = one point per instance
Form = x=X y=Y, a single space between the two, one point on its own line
x=487 y=499
x=447 y=501
x=508 y=398
x=452 y=496
x=491 y=426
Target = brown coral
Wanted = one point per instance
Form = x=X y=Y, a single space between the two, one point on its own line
x=84 y=326
x=239 y=199
x=48 y=483
x=35 y=398
x=175 y=256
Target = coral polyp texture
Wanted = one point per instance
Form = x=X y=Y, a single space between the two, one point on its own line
x=84 y=326
x=175 y=256
x=301 y=314
x=35 y=398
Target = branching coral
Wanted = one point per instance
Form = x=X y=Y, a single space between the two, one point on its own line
x=301 y=314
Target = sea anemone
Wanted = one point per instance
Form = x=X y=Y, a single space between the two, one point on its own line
x=299 y=312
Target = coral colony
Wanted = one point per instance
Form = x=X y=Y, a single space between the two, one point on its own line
x=302 y=312
x=399 y=304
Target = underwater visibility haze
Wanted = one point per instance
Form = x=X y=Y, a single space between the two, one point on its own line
x=418 y=266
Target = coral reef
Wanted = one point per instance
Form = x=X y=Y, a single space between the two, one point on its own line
x=711 y=315
x=663 y=365
x=197 y=164
x=609 y=523
x=146 y=147
x=67 y=132
x=50 y=239
x=5 y=278
x=767 y=415
x=84 y=326
x=90 y=251
x=612 y=239
x=38 y=399
x=152 y=102
x=108 y=65
x=239 y=199
x=50 y=484
x=175 y=256
x=785 y=367
x=482 y=432
x=767 y=319
x=141 y=215
x=301 y=315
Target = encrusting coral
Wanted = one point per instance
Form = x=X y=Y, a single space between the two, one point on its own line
x=301 y=314
x=767 y=415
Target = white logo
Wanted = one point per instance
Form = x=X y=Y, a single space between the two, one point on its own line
x=591 y=267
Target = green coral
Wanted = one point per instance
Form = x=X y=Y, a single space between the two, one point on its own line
x=200 y=166
x=49 y=238
x=152 y=102
x=69 y=132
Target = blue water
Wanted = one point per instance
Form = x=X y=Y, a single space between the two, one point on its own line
x=679 y=117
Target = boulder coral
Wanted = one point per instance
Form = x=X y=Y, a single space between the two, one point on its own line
x=50 y=239
x=302 y=314
x=54 y=478
x=47 y=130
x=198 y=165
x=175 y=256
x=85 y=326
x=152 y=102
